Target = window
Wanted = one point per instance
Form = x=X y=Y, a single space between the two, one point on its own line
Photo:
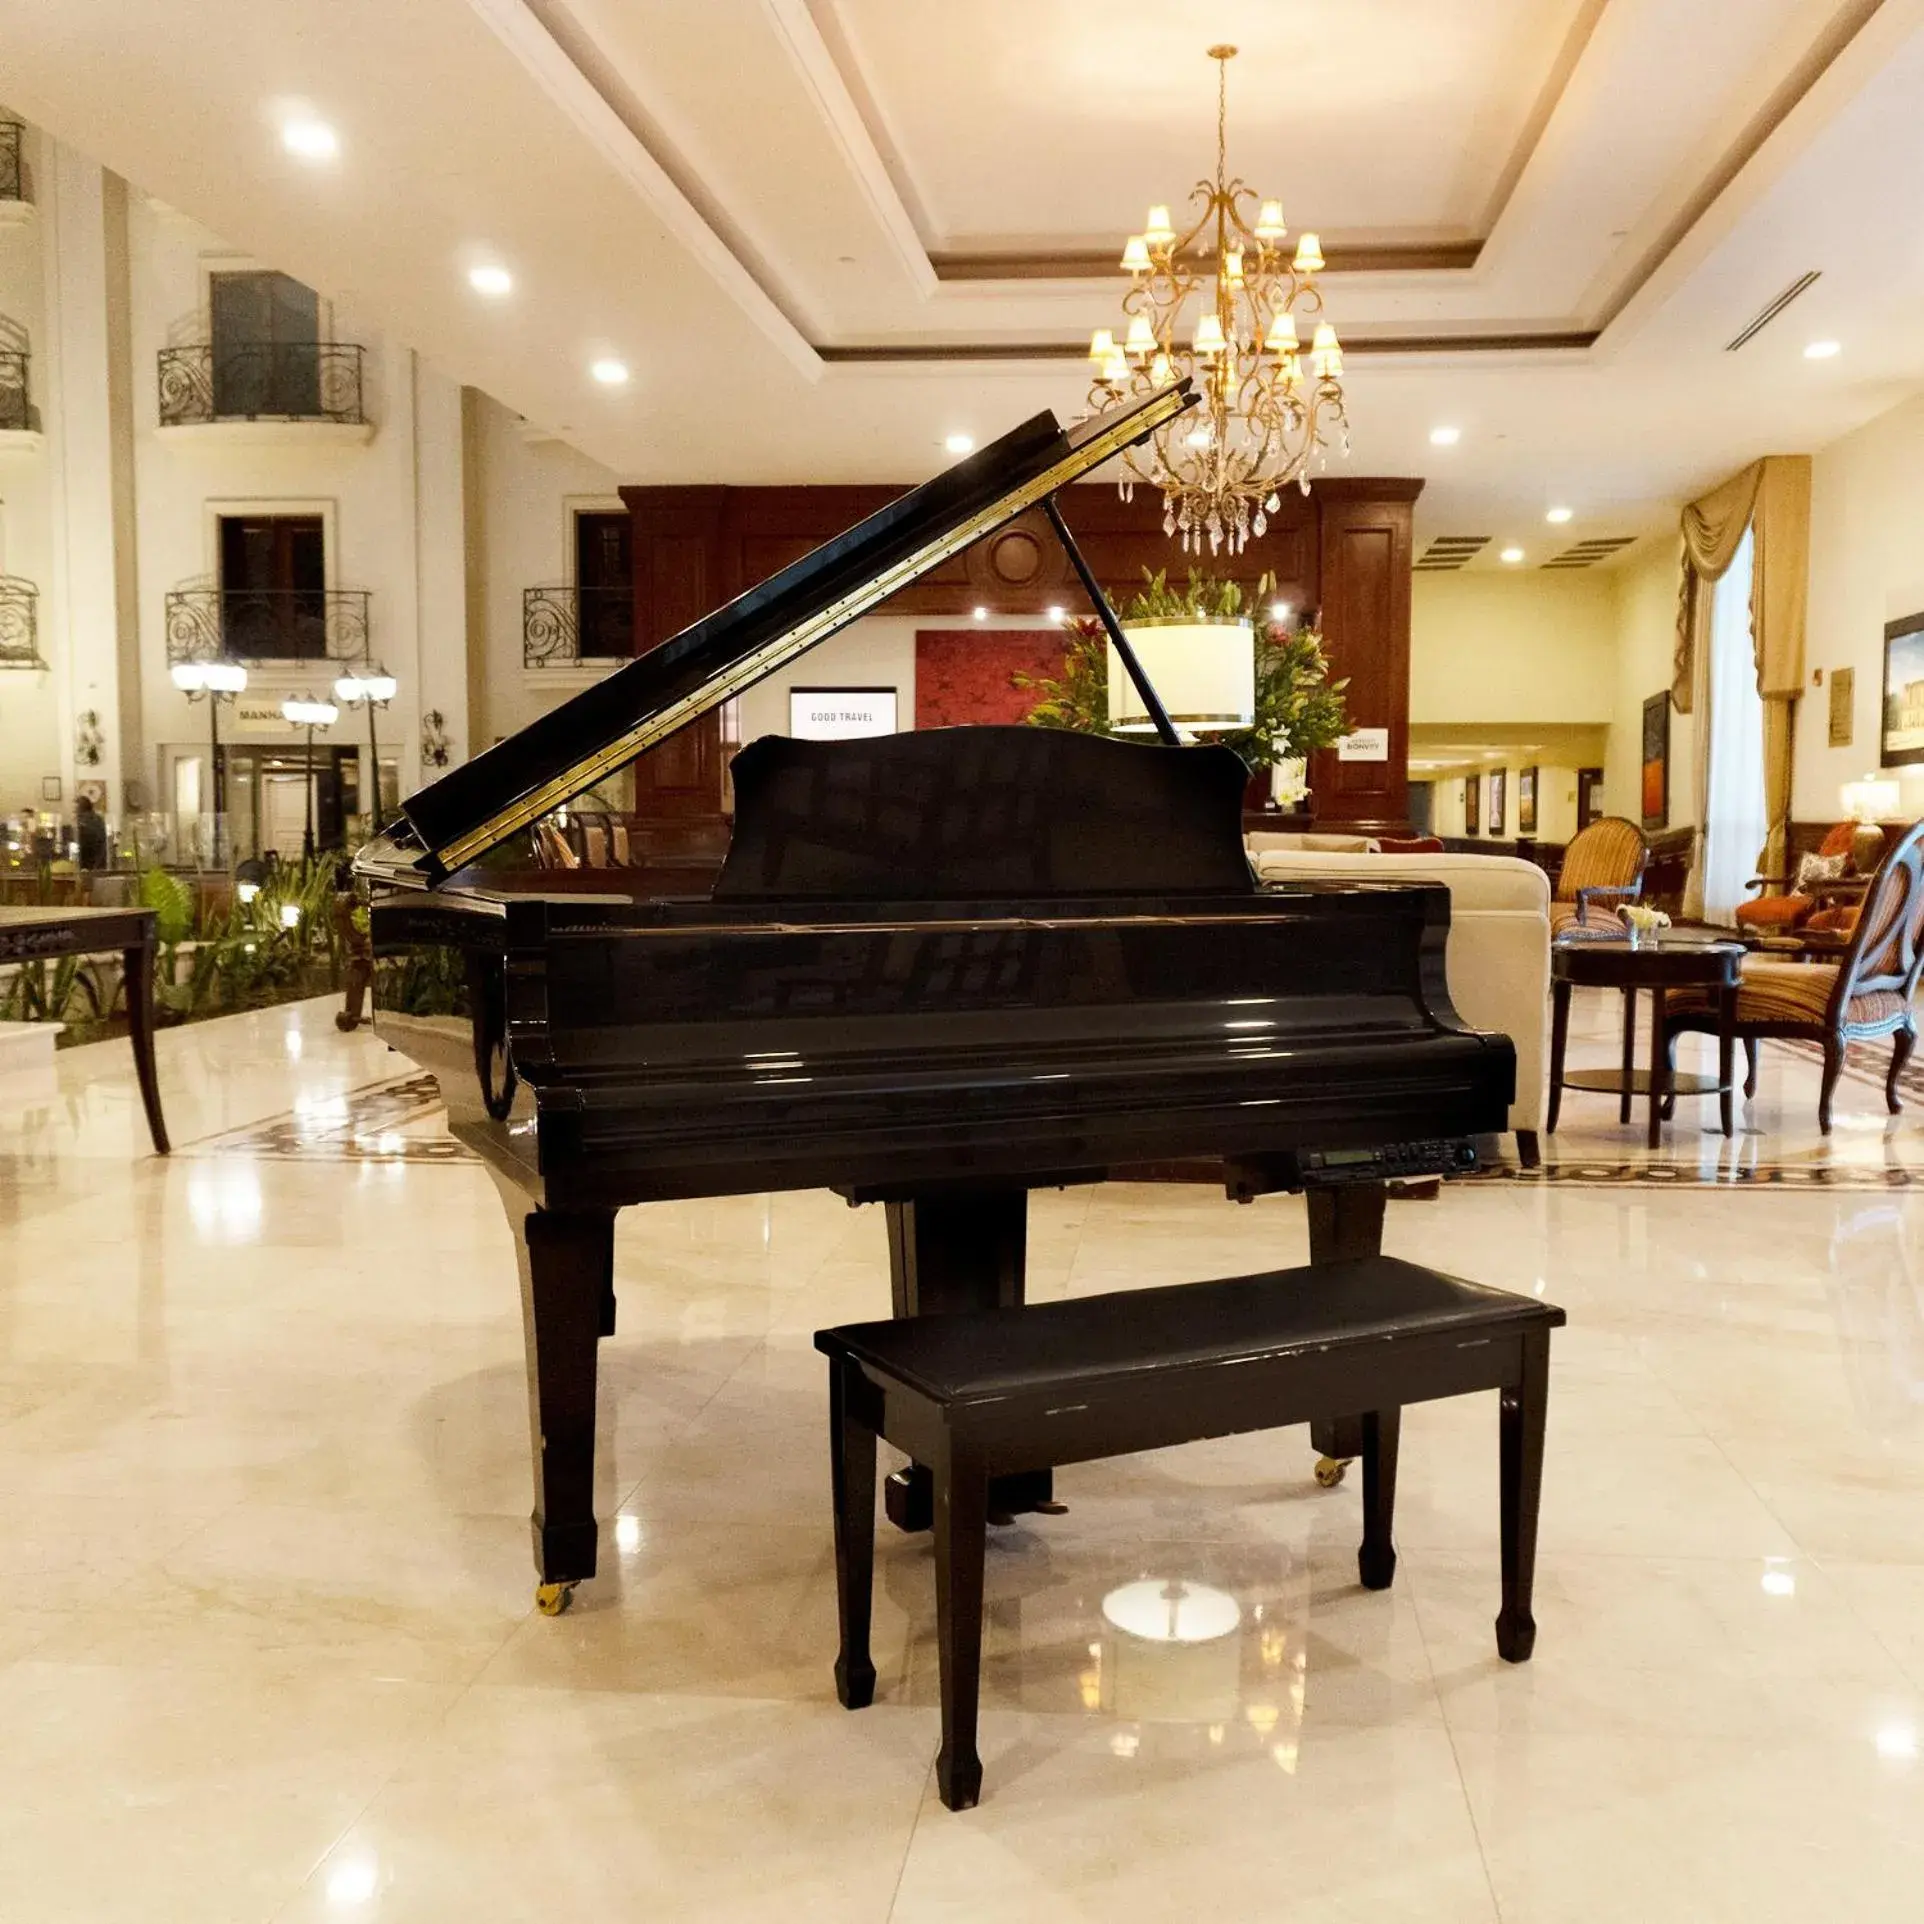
x=267 y=352
x=1735 y=819
x=273 y=586
x=605 y=584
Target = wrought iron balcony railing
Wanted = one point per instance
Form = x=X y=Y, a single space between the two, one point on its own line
x=261 y=381
x=13 y=170
x=19 y=623
x=16 y=408
x=267 y=625
x=562 y=627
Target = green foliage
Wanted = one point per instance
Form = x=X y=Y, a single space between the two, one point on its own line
x=172 y=902
x=432 y=981
x=1298 y=708
x=67 y=992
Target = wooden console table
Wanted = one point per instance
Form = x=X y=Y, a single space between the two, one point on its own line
x=47 y=934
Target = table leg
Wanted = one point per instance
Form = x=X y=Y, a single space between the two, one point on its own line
x=1659 y=1062
x=1559 y=1041
x=1726 y=1052
x=137 y=976
x=1629 y=1053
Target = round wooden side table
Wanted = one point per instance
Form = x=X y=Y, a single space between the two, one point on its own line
x=1674 y=962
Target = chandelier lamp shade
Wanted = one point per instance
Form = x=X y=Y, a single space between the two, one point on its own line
x=1227 y=303
x=209 y=677
x=1205 y=672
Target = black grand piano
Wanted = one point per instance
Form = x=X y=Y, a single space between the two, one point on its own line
x=938 y=970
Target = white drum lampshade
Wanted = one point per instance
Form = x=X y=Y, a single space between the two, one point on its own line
x=1205 y=672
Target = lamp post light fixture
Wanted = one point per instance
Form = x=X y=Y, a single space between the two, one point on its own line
x=213 y=682
x=303 y=711
x=375 y=687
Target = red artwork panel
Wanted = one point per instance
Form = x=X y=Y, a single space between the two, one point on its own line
x=968 y=674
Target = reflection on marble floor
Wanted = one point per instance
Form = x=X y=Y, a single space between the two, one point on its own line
x=272 y=1656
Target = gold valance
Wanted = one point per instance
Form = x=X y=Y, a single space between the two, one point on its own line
x=1774 y=495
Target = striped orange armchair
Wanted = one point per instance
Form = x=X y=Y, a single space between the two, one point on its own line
x=1861 y=997
x=1602 y=869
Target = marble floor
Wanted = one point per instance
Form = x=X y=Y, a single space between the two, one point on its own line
x=271 y=1653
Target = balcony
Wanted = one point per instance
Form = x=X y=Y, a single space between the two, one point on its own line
x=16 y=189
x=265 y=390
x=18 y=415
x=264 y=626
x=19 y=623
x=566 y=627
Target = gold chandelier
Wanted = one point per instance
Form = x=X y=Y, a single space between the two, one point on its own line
x=1264 y=419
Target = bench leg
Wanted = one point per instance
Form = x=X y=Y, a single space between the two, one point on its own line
x=961 y=1525
x=1524 y=1408
x=852 y=1471
x=1376 y=1560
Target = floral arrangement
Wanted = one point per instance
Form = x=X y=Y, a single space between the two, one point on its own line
x=1642 y=920
x=1298 y=708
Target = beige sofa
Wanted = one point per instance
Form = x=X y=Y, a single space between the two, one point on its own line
x=1499 y=950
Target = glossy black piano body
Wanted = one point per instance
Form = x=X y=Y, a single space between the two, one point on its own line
x=938 y=970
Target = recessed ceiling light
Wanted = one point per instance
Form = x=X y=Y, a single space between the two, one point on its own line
x=491 y=280
x=960 y=444
x=1823 y=350
x=1279 y=611
x=1512 y=556
x=610 y=373
x=982 y=614
x=1056 y=612
x=310 y=139
x=1559 y=515
x=1445 y=437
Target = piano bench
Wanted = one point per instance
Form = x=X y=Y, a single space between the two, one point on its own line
x=980 y=1394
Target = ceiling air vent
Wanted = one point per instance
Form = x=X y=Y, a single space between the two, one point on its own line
x=1771 y=309
x=1450 y=551
x=1586 y=554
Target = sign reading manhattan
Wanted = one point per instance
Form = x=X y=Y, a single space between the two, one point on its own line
x=840 y=714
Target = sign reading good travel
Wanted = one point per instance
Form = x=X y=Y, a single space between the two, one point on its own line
x=1364 y=745
x=840 y=714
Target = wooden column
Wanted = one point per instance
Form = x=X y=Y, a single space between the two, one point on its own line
x=1365 y=554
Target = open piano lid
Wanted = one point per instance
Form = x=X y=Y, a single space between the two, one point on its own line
x=477 y=807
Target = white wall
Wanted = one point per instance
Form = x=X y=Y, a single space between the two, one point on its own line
x=1531 y=647
x=1866 y=568
x=1645 y=649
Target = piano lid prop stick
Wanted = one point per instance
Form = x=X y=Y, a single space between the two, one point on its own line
x=1151 y=701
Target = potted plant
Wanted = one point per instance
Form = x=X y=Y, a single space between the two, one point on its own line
x=1295 y=708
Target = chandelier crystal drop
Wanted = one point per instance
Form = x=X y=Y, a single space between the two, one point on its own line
x=1225 y=303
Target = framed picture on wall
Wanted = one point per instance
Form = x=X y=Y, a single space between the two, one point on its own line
x=1655 y=784
x=1472 y=820
x=1901 y=737
x=1526 y=801
x=1498 y=779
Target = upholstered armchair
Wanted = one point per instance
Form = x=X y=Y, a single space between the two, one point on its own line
x=1863 y=996
x=1823 y=905
x=1602 y=869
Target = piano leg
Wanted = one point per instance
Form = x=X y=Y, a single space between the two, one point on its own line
x=1345 y=1221
x=567 y=1288
x=959 y=1250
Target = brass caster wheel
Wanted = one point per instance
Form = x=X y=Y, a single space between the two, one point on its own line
x=552 y=1599
x=1330 y=1469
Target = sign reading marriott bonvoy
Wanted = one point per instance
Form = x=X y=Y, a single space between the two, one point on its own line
x=840 y=714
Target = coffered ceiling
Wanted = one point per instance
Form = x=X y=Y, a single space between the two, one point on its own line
x=827 y=233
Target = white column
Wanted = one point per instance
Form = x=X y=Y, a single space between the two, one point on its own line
x=81 y=594
x=440 y=576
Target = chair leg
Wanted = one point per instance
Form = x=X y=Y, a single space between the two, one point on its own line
x=1753 y=1050
x=1627 y=1098
x=961 y=1526
x=1525 y=1405
x=1529 y=1152
x=852 y=1472
x=1902 y=1043
x=1376 y=1560
x=1670 y=1075
x=1833 y=1068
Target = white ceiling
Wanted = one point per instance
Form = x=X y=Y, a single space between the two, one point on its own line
x=735 y=195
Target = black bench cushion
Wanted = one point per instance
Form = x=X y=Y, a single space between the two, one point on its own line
x=995 y=1353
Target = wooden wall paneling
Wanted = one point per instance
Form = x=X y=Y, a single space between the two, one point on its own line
x=1365 y=567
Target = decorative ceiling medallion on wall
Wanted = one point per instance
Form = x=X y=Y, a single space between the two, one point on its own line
x=1264 y=420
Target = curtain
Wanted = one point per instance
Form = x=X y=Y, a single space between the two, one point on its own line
x=1736 y=813
x=1770 y=502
